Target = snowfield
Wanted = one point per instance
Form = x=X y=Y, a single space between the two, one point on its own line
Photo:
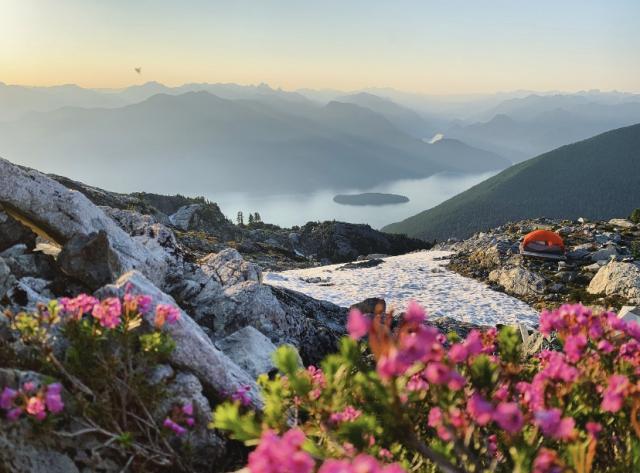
x=420 y=276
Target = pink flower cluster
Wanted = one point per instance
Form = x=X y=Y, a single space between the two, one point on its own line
x=140 y=304
x=348 y=414
x=109 y=312
x=598 y=350
x=166 y=313
x=36 y=402
x=281 y=454
x=284 y=454
x=242 y=396
x=360 y=464
x=180 y=420
x=318 y=382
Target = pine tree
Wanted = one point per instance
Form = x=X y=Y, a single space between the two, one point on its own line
x=240 y=219
x=251 y=219
x=256 y=217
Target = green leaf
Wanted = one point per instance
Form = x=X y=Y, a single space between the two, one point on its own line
x=243 y=427
x=509 y=344
x=286 y=359
x=483 y=372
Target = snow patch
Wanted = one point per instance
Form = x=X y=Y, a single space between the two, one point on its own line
x=419 y=276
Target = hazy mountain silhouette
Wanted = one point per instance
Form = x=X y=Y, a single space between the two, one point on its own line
x=525 y=127
x=210 y=143
x=16 y=100
x=403 y=118
x=598 y=178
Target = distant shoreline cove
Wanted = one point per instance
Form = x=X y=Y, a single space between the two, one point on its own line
x=370 y=198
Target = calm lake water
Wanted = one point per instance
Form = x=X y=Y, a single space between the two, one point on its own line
x=296 y=209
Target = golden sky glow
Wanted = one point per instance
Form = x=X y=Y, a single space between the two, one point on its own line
x=427 y=46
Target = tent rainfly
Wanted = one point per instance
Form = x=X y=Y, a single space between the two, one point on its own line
x=543 y=244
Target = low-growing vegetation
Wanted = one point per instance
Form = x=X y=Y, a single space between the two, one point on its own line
x=103 y=354
x=415 y=400
x=408 y=399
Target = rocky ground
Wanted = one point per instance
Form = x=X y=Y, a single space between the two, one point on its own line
x=61 y=238
x=201 y=228
x=602 y=267
x=56 y=242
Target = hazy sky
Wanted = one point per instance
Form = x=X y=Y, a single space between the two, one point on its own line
x=447 y=46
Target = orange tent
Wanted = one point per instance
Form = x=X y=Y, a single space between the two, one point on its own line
x=543 y=243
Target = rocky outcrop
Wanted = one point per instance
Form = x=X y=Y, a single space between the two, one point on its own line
x=229 y=268
x=203 y=217
x=338 y=242
x=618 y=279
x=61 y=213
x=7 y=280
x=12 y=232
x=251 y=303
x=493 y=255
x=518 y=281
x=91 y=259
x=250 y=350
x=319 y=324
x=230 y=322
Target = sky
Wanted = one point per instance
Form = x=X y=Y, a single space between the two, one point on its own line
x=437 y=47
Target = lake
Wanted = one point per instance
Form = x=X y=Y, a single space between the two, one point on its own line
x=287 y=210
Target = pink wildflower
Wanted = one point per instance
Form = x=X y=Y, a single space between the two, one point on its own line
x=7 y=397
x=415 y=314
x=479 y=409
x=417 y=383
x=187 y=409
x=349 y=414
x=242 y=395
x=14 y=414
x=78 y=306
x=437 y=373
x=594 y=428
x=547 y=461
x=574 y=346
x=36 y=408
x=137 y=303
x=108 y=312
x=166 y=313
x=473 y=343
x=613 y=397
x=358 y=325
x=53 y=398
x=456 y=381
x=174 y=426
x=553 y=425
x=458 y=353
x=436 y=420
x=276 y=454
x=605 y=346
x=508 y=416
x=392 y=364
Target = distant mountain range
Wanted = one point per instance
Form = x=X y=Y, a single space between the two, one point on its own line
x=525 y=127
x=204 y=143
x=598 y=178
x=225 y=137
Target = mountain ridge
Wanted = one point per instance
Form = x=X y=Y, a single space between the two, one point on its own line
x=596 y=178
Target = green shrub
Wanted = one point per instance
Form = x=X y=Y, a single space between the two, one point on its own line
x=479 y=405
